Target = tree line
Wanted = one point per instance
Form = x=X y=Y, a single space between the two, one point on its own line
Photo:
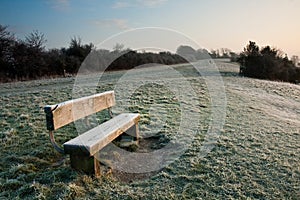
x=268 y=63
x=28 y=59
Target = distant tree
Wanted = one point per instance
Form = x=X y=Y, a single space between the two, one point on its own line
x=267 y=63
x=36 y=40
x=187 y=52
x=75 y=42
x=30 y=56
x=79 y=50
x=7 y=42
x=118 y=47
x=6 y=39
x=233 y=56
x=202 y=54
x=213 y=53
x=295 y=60
x=268 y=51
x=251 y=49
x=75 y=54
x=225 y=52
x=248 y=60
x=56 y=63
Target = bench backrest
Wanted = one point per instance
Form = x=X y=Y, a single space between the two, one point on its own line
x=69 y=111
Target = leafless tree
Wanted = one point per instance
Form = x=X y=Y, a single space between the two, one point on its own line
x=36 y=39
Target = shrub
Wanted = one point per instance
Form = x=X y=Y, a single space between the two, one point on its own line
x=267 y=63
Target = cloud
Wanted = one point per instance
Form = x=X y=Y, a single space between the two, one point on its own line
x=112 y=23
x=121 y=4
x=151 y=3
x=61 y=5
x=138 y=3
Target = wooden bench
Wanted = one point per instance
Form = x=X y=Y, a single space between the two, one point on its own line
x=84 y=149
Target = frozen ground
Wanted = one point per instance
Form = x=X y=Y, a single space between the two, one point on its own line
x=256 y=156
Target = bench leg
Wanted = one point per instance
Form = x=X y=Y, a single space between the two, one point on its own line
x=133 y=131
x=86 y=164
x=137 y=134
x=97 y=170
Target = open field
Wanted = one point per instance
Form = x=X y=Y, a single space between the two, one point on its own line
x=256 y=156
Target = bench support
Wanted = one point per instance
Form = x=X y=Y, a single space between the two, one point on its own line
x=56 y=147
x=91 y=164
x=86 y=164
x=133 y=131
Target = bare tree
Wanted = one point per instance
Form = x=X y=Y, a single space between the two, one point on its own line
x=295 y=60
x=118 y=47
x=36 y=39
x=75 y=42
x=5 y=34
x=7 y=42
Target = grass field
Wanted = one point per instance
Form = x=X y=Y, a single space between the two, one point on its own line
x=257 y=155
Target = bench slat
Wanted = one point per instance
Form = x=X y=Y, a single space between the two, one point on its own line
x=64 y=113
x=95 y=139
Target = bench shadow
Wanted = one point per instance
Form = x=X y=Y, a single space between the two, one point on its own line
x=146 y=145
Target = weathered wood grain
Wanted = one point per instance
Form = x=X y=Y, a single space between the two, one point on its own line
x=64 y=113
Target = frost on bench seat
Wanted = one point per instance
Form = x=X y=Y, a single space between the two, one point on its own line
x=95 y=139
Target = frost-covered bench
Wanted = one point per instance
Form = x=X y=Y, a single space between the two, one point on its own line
x=84 y=149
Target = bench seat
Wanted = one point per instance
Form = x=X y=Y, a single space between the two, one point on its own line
x=95 y=139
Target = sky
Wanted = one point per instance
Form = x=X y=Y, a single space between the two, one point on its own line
x=211 y=24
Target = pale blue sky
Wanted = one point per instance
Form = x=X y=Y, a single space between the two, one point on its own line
x=211 y=23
